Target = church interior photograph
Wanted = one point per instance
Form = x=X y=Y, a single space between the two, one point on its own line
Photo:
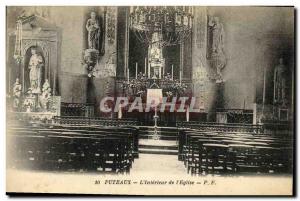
x=132 y=90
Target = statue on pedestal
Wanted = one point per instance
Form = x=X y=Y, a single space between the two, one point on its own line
x=94 y=32
x=46 y=95
x=280 y=84
x=216 y=46
x=36 y=62
x=17 y=89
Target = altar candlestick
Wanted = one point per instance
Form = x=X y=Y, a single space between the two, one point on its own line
x=172 y=71
x=136 y=70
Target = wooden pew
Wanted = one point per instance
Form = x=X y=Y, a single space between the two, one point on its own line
x=76 y=149
x=245 y=152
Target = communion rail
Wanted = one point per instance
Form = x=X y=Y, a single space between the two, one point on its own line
x=222 y=127
x=78 y=120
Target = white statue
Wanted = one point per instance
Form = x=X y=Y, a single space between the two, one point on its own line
x=94 y=31
x=46 y=94
x=36 y=62
x=17 y=89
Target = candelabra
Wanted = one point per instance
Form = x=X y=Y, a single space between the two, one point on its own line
x=172 y=23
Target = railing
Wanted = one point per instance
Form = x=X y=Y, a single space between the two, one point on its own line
x=78 y=120
x=77 y=109
x=222 y=127
x=243 y=116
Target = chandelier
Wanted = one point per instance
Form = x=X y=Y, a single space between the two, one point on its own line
x=173 y=24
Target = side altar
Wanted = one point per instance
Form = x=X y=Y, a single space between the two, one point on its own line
x=32 y=80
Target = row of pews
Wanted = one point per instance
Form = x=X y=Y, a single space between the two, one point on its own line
x=228 y=153
x=72 y=148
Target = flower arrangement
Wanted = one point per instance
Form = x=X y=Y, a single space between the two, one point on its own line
x=28 y=104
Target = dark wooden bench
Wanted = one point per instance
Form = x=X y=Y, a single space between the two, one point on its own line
x=74 y=148
x=231 y=153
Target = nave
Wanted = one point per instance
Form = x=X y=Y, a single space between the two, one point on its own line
x=133 y=150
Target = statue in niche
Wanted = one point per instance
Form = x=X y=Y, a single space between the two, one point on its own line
x=17 y=89
x=216 y=46
x=94 y=32
x=46 y=95
x=35 y=65
x=280 y=84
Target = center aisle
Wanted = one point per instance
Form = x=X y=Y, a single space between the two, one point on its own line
x=158 y=164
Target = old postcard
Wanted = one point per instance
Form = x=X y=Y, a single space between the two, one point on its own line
x=150 y=100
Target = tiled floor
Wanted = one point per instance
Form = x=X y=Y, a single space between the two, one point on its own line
x=158 y=164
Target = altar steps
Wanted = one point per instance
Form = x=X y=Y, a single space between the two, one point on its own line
x=151 y=150
x=164 y=142
x=152 y=146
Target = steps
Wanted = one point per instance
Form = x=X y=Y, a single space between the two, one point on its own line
x=157 y=151
x=165 y=142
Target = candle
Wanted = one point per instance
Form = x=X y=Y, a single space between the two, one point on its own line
x=172 y=71
x=187 y=113
x=180 y=76
x=128 y=75
x=149 y=70
x=145 y=66
x=136 y=70
x=120 y=112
